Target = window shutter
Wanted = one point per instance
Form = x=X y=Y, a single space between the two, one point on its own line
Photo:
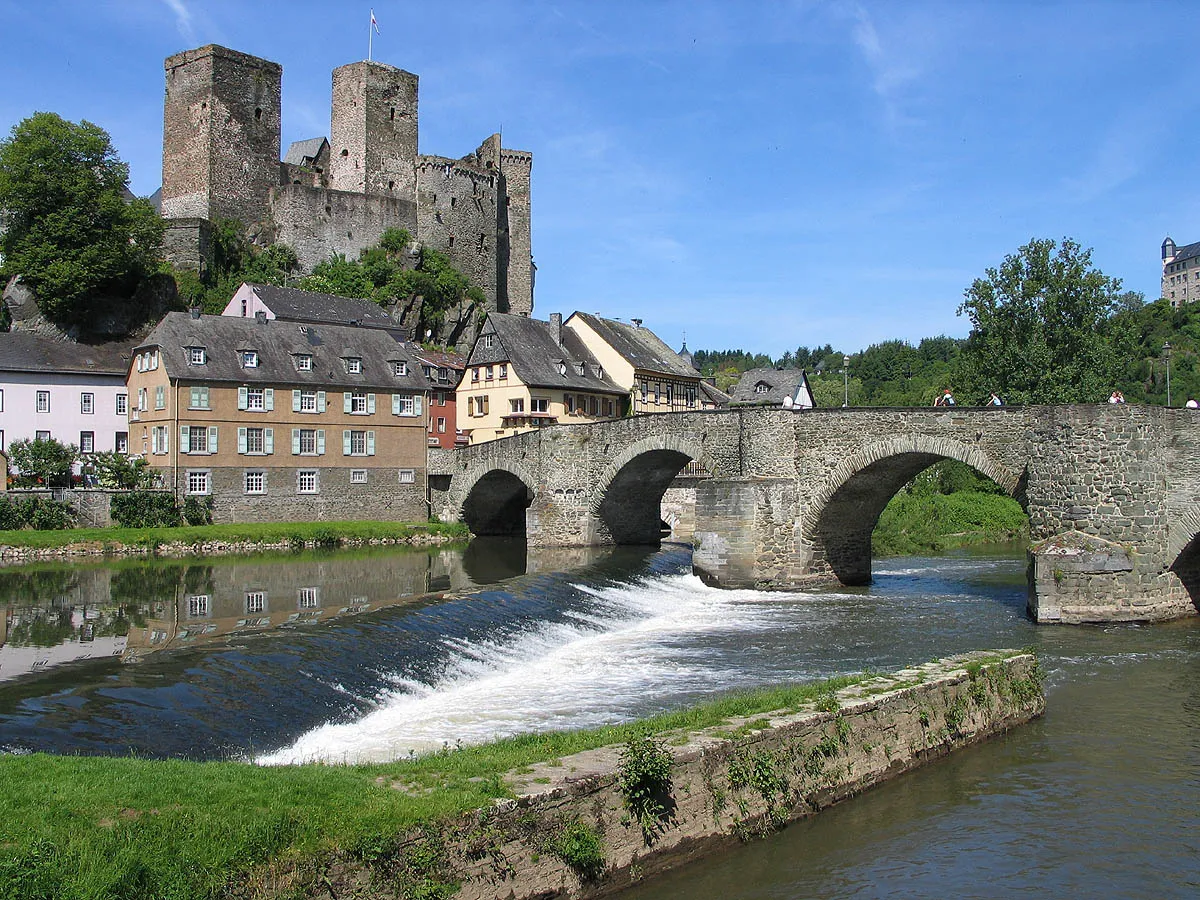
x=166 y=433
x=195 y=397
x=346 y=402
x=320 y=401
x=320 y=441
x=268 y=440
x=204 y=397
x=212 y=438
x=241 y=440
x=485 y=405
x=269 y=399
x=395 y=404
x=371 y=404
x=295 y=440
x=185 y=444
x=242 y=402
x=370 y=443
x=296 y=401
x=345 y=443
x=417 y=405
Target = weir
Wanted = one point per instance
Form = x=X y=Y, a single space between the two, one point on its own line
x=1112 y=493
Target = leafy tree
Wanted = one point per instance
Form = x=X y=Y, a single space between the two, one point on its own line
x=116 y=470
x=1044 y=328
x=43 y=461
x=234 y=260
x=69 y=230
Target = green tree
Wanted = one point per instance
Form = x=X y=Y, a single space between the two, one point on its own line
x=1044 y=328
x=43 y=461
x=69 y=230
x=234 y=261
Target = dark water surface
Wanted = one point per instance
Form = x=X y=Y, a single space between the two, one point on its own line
x=365 y=657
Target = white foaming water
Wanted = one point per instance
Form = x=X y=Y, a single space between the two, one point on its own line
x=585 y=672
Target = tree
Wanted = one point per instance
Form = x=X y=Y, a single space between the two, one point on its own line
x=234 y=260
x=1044 y=328
x=43 y=461
x=70 y=232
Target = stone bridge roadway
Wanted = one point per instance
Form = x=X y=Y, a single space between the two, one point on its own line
x=1112 y=492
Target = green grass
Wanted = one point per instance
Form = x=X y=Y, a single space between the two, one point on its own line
x=106 y=828
x=921 y=522
x=264 y=532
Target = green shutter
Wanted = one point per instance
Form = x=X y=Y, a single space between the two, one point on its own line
x=241 y=440
x=320 y=441
x=320 y=401
x=417 y=405
x=346 y=401
x=345 y=443
x=268 y=399
x=295 y=441
x=212 y=438
x=185 y=443
x=370 y=443
x=242 y=402
x=395 y=404
x=268 y=440
x=296 y=401
x=370 y=404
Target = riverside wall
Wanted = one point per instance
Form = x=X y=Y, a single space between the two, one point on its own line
x=728 y=784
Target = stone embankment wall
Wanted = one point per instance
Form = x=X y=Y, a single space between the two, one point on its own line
x=727 y=784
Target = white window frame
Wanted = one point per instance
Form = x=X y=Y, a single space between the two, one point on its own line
x=199 y=606
x=539 y=404
x=304 y=362
x=43 y=401
x=308 y=481
x=122 y=407
x=197 y=356
x=249 y=359
x=407 y=476
x=254 y=481
x=256 y=602
x=308 y=598
x=353 y=365
x=87 y=442
x=400 y=367
x=87 y=403
x=199 y=482
x=358 y=476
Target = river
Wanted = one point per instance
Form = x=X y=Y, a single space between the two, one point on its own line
x=368 y=656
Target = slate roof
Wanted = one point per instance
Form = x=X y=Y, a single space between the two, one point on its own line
x=20 y=352
x=713 y=394
x=1187 y=251
x=277 y=343
x=446 y=358
x=527 y=345
x=292 y=305
x=780 y=383
x=641 y=347
x=298 y=151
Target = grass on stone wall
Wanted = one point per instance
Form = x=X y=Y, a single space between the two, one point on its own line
x=265 y=533
x=915 y=523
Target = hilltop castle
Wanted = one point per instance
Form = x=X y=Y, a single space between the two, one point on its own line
x=221 y=159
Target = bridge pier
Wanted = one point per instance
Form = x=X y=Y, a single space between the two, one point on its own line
x=746 y=530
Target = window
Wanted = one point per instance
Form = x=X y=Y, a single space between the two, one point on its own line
x=481 y=405
x=198 y=439
x=308 y=598
x=406 y=405
x=197 y=356
x=198 y=482
x=489 y=340
x=762 y=388
x=353 y=365
x=408 y=476
x=441 y=424
x=308 y=401
x=161 y=438
x=488 y=373
x=303 y=362
x=670 y=394
x=198 y=398
x=569 y=403
x=2 y=400
x=308 y=481
x=87 y=442
x=87 y=403
x=475 y=374
x=578 y=368
x=43 y=401
x=439 y=398
x=141 y=398
x=400 y=367
x=122 y=404
x=197 y=606
x=256 y=441
x=358 y=443
x=358 y=476
x=255 y=399
x=160 y=397
x=539 y=404
x=427 y=371
x=256 y=602
x=443 y=374
x=642 y=388
x=593 y=406
x=562 y=367
x=120 y=442
x=358 y=403
x=599 y=371
x=503 y=370
x=308 y=441
x=249 y=359
x=41 y=436
x=516 y=405
x=254 y=481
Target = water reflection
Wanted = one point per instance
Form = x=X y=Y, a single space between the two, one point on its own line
x=57 y=614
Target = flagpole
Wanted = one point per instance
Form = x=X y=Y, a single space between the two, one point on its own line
x=370 y=33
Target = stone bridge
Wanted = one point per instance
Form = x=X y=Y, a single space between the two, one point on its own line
x=1112 y=493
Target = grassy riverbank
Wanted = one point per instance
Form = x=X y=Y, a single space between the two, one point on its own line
x=109 y=828
x=267 y=533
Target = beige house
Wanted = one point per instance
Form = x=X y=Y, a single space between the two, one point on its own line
x=524 y=374
x=280 y=421
x=655 y=376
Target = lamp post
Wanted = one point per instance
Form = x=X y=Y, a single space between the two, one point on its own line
x=1167 y=356
x=845 y=381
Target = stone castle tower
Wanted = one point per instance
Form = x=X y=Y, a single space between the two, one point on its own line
x=221 y=159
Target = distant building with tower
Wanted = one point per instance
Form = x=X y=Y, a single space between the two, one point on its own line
x=1180 y=272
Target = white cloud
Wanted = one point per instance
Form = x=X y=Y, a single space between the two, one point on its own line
x=183 y=20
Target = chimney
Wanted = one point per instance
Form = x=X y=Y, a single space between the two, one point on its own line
x=556 y=327
x=195 y=311
x=260 y=317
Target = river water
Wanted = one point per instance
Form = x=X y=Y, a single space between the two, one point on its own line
x=357 y=657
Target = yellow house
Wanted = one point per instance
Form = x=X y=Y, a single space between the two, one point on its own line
x=523 y=374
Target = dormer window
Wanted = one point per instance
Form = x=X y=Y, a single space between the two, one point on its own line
x=578 y=368
x=197 y=356
x=762 y=388
x=353 y=365
x=562 y=367
x=599 y=371
x=400 y=367
x=303 y=362
x=249 y=359
x=489 y=341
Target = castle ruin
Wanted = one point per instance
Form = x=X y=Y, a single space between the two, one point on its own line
x=221 y=159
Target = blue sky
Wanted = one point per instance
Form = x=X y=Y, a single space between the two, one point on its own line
x=758 y=174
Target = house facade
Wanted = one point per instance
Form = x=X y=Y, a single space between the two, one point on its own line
x=1180 y=272
x=523 y=374
x=656 y=378
x=786 y=388
x=308 y=307
x=279 y=421
x=73 y=393
x=443 y=370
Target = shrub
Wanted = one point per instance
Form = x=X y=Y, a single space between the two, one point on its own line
x=43 y=461
x=145 y=509
x=10 y=515
x=198 y=510
x=581 y=848
x=644 y=774
x=50 y=515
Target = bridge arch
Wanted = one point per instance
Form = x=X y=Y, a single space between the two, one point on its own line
x=1183 y=552
x=627 y=499
x=494 y=496
x=836 y=524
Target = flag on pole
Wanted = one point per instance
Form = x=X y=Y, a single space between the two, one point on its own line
x=374 y=24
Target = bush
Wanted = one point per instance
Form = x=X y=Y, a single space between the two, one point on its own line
x=581 y=848
x=198 y=510
x=11 y=517
x=145 y=509
x=644 y=774
x=49 y=515
x=116 y=470
x=43 y=461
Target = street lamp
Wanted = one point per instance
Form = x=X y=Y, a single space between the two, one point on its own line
x=1167 y=356
x=846 y=381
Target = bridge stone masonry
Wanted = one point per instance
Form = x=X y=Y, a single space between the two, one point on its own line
x=1112 y=493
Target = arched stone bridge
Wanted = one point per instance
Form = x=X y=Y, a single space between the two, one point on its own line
x=1112 y=492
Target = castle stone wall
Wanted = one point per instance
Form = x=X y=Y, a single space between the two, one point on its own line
x=516 y=224
x=457 y=215
x=373 y=130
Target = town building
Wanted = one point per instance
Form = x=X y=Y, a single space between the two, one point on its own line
x=657 y=379
x=281 y=420
x=523 y=374
x=1180 y=272
x=443 y=369
x=712 y=397
x=786 y=388
x=73 y=393
x=308 y=307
